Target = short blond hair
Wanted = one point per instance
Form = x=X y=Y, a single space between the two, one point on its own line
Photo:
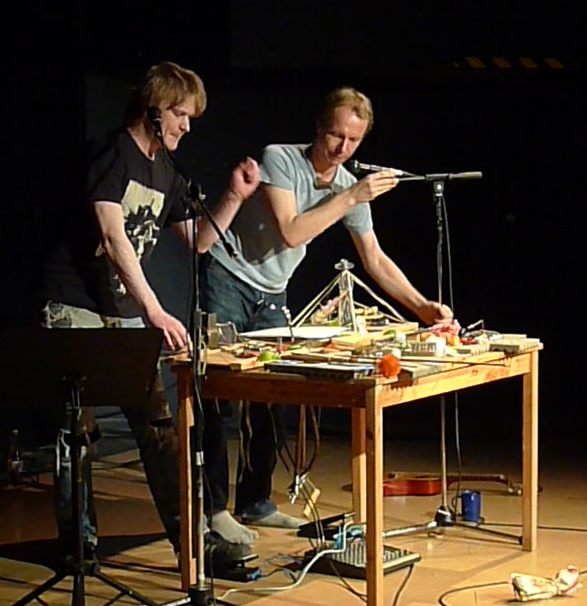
x=165 y=82
x=347 y=96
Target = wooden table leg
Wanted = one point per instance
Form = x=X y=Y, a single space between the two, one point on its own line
x=185 y=423
x=358 y=464
x=374 y=443
x=530 y=456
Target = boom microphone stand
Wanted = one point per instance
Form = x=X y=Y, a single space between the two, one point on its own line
x=199 y=594
x=443 y=517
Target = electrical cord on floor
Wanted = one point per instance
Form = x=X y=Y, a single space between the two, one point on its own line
x=441 y=598
x=286 y=560
x=363 y=596
x=442 y=602
x=346 y=584
x=340 y=547
x=295 y=580
x=320 y=551
x=402 y=586
x=540 y=527
x=300 y=577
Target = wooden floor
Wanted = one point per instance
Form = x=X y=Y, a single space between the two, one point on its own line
x=134 y=550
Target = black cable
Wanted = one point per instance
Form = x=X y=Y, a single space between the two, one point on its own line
x=562 y=528
x=468 y=588
x=480 y=586
x=448 y=255
x=402 y=586
x=557 y=528
x=453 y=503
x=451 y=300
x=332 y=564
x=347 y=585
x=362 y=596
x=316 y=442
x=280 y=437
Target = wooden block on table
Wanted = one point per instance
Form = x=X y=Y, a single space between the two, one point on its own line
x=514 y=343
x=417 y=369
x=217 y=357
x=354 y=340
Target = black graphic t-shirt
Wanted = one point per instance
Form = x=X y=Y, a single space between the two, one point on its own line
x=151 y=196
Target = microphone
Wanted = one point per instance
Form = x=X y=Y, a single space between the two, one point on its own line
x=359 y=167
x=154 y=115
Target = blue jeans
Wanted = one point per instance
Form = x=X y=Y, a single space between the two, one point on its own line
x=233 y=300
x=152 y=428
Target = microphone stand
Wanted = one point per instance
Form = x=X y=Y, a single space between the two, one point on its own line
x=437 y=180
x=201 y=593
x=444 y=516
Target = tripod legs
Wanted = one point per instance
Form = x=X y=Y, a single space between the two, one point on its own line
x=78 y=567
x=78 y=589
x=444 y=517
x=33 y=595
x=123 y=589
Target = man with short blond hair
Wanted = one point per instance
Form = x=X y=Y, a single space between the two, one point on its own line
x=305 y=189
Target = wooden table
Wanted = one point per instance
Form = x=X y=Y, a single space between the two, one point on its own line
x=366 y=397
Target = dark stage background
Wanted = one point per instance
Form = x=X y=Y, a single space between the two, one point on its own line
x=444 y=102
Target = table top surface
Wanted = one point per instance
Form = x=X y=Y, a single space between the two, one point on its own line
x=262 y=384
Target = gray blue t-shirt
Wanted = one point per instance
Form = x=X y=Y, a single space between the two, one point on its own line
x=264 y=261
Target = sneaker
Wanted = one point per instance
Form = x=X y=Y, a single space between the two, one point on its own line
x=220 y=554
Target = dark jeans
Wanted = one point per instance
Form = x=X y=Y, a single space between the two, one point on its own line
x=152 y=428
x=233 y=300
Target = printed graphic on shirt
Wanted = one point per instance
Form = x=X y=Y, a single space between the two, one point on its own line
x=141 y=207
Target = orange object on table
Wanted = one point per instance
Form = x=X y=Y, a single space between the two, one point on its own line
x=389 y=366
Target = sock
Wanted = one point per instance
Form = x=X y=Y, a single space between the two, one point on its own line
x=277 y=519
x=231 y=530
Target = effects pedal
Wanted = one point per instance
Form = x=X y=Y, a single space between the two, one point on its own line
x=327 y=528
x=236 y=570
